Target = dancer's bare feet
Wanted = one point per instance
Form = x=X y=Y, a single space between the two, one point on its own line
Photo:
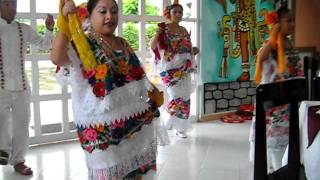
x=22 y=169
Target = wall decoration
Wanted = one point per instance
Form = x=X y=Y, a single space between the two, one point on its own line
x=234 y=31
x=224 y=4
x=242 y=35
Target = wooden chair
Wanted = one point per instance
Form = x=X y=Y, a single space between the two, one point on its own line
x=273 y=95
x=311 y=66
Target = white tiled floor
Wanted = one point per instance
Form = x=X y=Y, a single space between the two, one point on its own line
x=213 y=151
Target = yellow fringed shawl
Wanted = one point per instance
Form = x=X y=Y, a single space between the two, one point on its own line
x=73 y=30
x=277 y=42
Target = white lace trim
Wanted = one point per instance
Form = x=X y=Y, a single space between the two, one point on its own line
x=121 y=170
x=129 y=155
x=88 y=118
x=121 y=103
x=178 y=61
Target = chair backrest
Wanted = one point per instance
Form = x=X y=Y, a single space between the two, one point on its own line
x=316 y=89
x=272 y=95
x=311 y=67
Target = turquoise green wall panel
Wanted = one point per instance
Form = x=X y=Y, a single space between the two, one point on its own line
x=212 y=45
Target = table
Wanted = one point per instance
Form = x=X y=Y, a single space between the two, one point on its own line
x=310 y=154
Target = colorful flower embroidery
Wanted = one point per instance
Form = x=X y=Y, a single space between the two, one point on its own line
x=91 y=134
x=81 y=138
x=172 y=43
x=102 y=136
x=186 y=43
x=177 y=74
x=179 y=108
x=100 y=128
x=124 y=68
x=114 y=69
x=98 y=89
x=178 y=43
x=277 y=126
x=83 y=12
x=102 y=70
x=137 y=73
x=88 y=74
x=103 y=146
x=89 y=149
x=171 y=77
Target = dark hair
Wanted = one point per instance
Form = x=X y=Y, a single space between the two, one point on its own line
x=175 y=5
x=92 y=4
x=283 y=11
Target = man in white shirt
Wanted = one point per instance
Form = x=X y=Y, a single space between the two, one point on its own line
x=14 y=88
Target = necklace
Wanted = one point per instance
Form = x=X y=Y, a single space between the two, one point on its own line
x=100 y=39
x=2 y=77
x=109 y=52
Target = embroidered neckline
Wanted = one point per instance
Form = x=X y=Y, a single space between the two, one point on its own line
x=114 y=69
x=2 y=77
x=105 y=45
x=176 y=42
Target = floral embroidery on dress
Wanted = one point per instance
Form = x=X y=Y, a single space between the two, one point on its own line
x=114 y=69
x=173 y=76
x=179 y=108
x=102 y=136
x=277 y=126
x=172 y=43
x=177 y=44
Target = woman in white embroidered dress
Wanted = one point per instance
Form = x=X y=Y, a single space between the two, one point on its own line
x=174 y=59
x=277 y=60
x=115 y=120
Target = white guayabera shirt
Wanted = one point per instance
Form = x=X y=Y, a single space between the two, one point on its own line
x=14 y=41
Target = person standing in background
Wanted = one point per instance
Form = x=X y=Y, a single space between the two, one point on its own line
x=174 y=60
x=14 y=88
x=277 y=60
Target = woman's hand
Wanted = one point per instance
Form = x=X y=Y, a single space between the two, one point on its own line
x=49 y=22
x=195 y=50
x=68 y=8
x=156 y=96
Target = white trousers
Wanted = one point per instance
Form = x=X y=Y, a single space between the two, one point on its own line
x=182 y=89
x=14 y=124
x=275 y=157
